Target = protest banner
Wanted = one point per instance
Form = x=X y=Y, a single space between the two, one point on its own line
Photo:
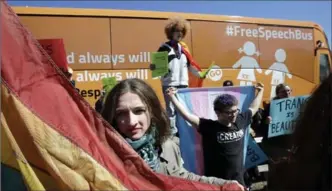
x=284 y=114
x=255 y=155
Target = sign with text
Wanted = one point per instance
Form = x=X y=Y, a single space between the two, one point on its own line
x=284 y=113
x=255 y=155
x=160 y=60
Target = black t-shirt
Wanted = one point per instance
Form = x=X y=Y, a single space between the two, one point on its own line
x=223 y=147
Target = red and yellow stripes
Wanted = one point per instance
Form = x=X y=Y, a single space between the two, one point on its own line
x=59 y=141
x=69 y=164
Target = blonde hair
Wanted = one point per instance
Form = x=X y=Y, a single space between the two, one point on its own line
x=176 y=23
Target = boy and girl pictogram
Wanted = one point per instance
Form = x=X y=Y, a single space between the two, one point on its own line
x=248 y=64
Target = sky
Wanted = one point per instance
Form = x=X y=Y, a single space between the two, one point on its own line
x=315 y=11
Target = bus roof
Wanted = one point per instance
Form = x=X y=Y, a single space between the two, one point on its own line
x=157 y=15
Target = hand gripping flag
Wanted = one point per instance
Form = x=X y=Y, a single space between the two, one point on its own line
x=51 y=137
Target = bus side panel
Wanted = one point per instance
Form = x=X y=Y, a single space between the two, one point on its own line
x=88 y=82
x=121 y=47
x=87 y=40
x=288 y=56
x=249 y=53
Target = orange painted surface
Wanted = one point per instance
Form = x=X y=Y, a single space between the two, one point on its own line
x=103 y=43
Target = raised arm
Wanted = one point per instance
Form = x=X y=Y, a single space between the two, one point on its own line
x=254 y=106
x=194 y=71
x=191 y=118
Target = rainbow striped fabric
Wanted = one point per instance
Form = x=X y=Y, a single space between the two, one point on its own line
x=51 y=138
x=200 y=102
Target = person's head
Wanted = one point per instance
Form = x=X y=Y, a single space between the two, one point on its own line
x=133 y=108
x=176 y=29
x=283 y=91
x=228 y=83
x=226 y=108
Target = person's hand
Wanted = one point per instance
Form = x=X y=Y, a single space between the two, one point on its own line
x=171 y=91
x=202 y=77
x=268 y=120
x=259 y=86
x=232 y=186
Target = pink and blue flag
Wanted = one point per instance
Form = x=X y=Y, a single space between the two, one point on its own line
x=200 y=102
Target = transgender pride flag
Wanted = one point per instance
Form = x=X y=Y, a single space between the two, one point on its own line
x=200 y=102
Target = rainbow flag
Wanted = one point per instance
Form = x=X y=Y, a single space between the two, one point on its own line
x=51 y=138
x=194 y=81
x=200 y=102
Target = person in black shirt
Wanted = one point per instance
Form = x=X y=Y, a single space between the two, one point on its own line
x=223 y=140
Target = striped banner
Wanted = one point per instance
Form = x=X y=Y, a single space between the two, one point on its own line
x=200 y=102
x=51 y=138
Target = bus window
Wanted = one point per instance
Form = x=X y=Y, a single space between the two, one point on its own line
x=324 y=67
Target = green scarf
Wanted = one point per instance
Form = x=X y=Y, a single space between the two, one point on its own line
x=145 y=148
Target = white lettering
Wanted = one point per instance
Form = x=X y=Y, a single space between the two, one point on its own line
x=281 y=34
x=88 y=76
x=255 y=33
x=133 y=58
x=237 y=30
x=248 y=32
x=226 y=137
x=261 y=32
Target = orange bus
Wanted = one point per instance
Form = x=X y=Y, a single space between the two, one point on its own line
x=102 y=43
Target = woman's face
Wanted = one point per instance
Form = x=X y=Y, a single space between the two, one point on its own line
x=132 y=116
x=177 y=35
x=284 y=92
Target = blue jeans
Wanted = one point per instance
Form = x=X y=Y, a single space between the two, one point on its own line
x=171 y=111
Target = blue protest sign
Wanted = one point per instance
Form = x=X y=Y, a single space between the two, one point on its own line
x=284 y=113
x=255 y=155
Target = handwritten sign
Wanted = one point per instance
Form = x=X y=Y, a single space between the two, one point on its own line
x=255 y=155
x=55 y=48
x=284 y=113
x=160 y=60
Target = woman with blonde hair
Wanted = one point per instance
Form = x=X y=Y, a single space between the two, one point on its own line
x=133 y=109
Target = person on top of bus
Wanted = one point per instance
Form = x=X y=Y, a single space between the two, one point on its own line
x=134 y=110
x=178 y=63
x=223 y=139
